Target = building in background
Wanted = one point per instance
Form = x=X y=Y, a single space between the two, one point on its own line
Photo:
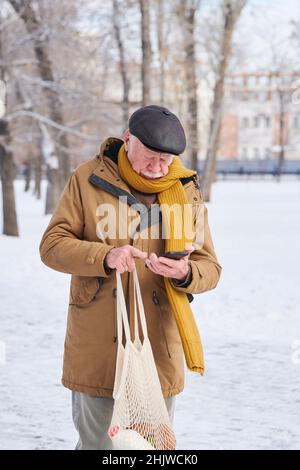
x=261 y=115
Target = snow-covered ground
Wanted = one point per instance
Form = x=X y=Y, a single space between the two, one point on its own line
x=249 y=397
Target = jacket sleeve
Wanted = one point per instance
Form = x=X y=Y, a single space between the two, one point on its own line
x=205 y=268
x=62 y=247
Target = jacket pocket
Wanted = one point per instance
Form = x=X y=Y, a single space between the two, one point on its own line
x=84 y=289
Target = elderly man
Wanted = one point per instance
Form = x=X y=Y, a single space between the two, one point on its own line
x=130 y=178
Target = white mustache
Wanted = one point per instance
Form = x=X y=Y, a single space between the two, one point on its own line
x=150 y=174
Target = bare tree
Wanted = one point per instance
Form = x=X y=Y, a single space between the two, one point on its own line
x=186 y=11
x=28 y=173
x=7 y=167
x=232 y=10
x=160 y=22
x=146 y=51
x=123 y=67
x=26 y=11
x=50 y=159
x=282 y=89
x=38 y=169
x=7 y=170
x=281 y=92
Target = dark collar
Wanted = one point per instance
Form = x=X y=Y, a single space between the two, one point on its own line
x=112 y=150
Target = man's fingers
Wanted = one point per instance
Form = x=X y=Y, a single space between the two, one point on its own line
x=121 y=265
x=153 y=257
x=190 y=249
x=130 y=264
x=138 y=253
x=152 y=267
x=155 y=261
x=168 y=262
x=126 y=263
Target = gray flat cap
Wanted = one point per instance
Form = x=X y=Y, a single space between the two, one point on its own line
x=158 y=129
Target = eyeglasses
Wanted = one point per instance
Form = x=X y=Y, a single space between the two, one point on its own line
x=154 y=154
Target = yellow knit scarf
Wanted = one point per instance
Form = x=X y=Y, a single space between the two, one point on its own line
x=170 y=191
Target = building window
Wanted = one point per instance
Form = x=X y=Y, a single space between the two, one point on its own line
x=267 y=121
x=263 y=96
x=256 y=121
x=263 y=81
x=252 y=81
x=256 y=153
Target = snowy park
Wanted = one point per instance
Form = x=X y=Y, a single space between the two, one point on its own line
x=149 y=143
x=249 y=396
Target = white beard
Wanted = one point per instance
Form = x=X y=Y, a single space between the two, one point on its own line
x=150 y=174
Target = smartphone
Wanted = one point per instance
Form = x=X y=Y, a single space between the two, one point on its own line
x=175 y=254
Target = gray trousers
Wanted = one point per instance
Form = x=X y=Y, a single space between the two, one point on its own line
x=92 y=417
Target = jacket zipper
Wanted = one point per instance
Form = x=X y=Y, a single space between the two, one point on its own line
x=155 y=300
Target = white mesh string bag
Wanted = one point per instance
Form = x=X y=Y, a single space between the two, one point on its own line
x=140 y=417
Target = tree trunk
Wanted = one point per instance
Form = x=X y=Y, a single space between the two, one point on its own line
x=146 y=52
x=209 y=171
x=53 y=190
x=38 y=169
x=281 y=156
x=7 y=167
x=191 y=83
x=160 y=18
x=232 y=11
x=186 y=12
x=7 y=170
x=27 y=175
x=123 y=67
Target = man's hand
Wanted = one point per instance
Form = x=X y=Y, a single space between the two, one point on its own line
x=122 y=259
x=176 y=269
